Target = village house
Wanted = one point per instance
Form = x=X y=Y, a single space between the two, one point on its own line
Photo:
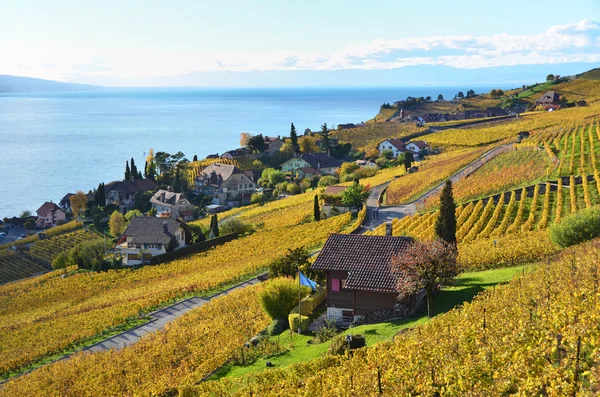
x=366 y=163
x=396 y=146
x=417 y=146
x=550 y=99
x=65 y=202
x=173 y=205
x=121 y=193
x=226 y=183
x=308 y=172
x=332 y=201
x=146 y=237
x=360 y=279
x=319 y=161
x=235 y=153
x=49 y=215
x=272 y=145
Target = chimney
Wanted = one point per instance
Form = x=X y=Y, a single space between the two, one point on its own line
x=162 y=197
x=165 y=227
x=388 y=229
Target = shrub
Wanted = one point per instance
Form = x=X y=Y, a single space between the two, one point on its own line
x=576 y=228
x=297 y=320
x=292 y=188
x=61 y=261
x=327 y=181
x=325 y=332
x=287 y=266
x=277 y=326
x=338 y=345
x=235 y=225
x=280 y=295
x=256 y=198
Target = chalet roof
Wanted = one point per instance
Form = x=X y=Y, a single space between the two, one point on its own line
x=397 y=143
x=166 y=198
x=47 y=207
x=224 y=170
x=420 y=144
x=151 y=230
x=367 y=259
x=320 y=160
x=334 y=189
x=310 y=170
x=548 y=97
x=137 y=185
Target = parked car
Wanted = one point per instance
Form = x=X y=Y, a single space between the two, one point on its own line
x=22 y=236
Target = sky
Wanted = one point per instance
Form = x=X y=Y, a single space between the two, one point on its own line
x=151 y=42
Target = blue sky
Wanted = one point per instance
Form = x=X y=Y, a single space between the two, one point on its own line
x=120 y=42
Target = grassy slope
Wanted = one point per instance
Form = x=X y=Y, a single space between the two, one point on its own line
x=466 y=287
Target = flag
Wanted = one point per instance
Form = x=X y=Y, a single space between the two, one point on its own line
x=308 y=282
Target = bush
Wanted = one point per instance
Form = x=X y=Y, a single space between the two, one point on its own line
x=61 y=261
x=326 y=331
x=256 y=198
x=280 y=295
x=235 y=226
x=338 y=345
x=277 y=326
x=327 y=181
x=576 y=228
x=292 y=188
x=287 y=266
x=298 y=321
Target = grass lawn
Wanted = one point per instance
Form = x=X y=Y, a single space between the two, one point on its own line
x=299 y=349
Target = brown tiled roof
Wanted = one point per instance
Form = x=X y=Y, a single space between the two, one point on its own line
x=334 y=189
x=398 y=144
x=310 y=170
x=420 y=144
x=47 y=207
x=367 y=260
x=320 y=160
x=151 y=230
x=137 y=185
x=225 y=170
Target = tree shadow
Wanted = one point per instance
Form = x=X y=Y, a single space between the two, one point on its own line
x=448 y=299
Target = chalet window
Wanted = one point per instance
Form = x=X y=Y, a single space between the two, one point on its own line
x=335 y=284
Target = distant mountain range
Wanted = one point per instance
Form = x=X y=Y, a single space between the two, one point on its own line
x=28 y=84
x=409 y=76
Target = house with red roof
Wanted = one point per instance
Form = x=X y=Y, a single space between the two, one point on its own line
x=49 y=215
x=360 y=279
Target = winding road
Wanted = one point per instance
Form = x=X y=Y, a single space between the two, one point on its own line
x=388 y=213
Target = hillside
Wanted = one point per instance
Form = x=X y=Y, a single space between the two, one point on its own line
x=499 y=340
x=28 y=84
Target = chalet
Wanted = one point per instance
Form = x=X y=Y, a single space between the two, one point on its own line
x=346 y=126
x=319 y=161
x=417 y=146
x=173 y=205
x=122 y=193
x=397 y=147
x=146 y=237
x=49 y=214
x=549 y=99
x=366 y=163
x=272 y=145
x=226 y=183
x=360 y=279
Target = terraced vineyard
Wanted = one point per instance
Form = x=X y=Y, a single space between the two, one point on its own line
x=46 y=250
x=14 y=266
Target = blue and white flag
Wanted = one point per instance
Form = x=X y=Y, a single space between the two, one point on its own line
x=308 y=282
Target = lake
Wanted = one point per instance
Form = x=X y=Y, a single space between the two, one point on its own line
x=55 y=143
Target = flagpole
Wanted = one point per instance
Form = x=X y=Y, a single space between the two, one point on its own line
x=299 y=301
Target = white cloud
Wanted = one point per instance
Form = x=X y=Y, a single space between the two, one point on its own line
x=579 y=42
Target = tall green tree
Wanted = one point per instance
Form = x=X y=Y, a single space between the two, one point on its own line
x=177 y=182
x=316 y=209
x=460 y=94
x=325 y=136
x=195 y=158
x=294 y=139
x=127 y=171
x=256 y=144
x=133 y=168
x=440 y=97
x=214 y=226
x=445 y=224
x=408 y=160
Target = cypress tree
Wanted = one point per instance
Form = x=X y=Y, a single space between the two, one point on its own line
x=134 y=172
x=102 y=195
x=146 y=169
x=150 y=170
x=195 y=158
x=316 y=209
x=139 y=175
x=127 y=171
x=294 y=139
x=215 y=225
x=177 y=183
x=408 y=160
x=445 y=224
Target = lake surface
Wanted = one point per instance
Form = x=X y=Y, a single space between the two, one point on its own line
x=55 y=143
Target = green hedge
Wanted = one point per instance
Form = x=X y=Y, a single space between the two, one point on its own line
x=192 y=249
x=299 y=315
